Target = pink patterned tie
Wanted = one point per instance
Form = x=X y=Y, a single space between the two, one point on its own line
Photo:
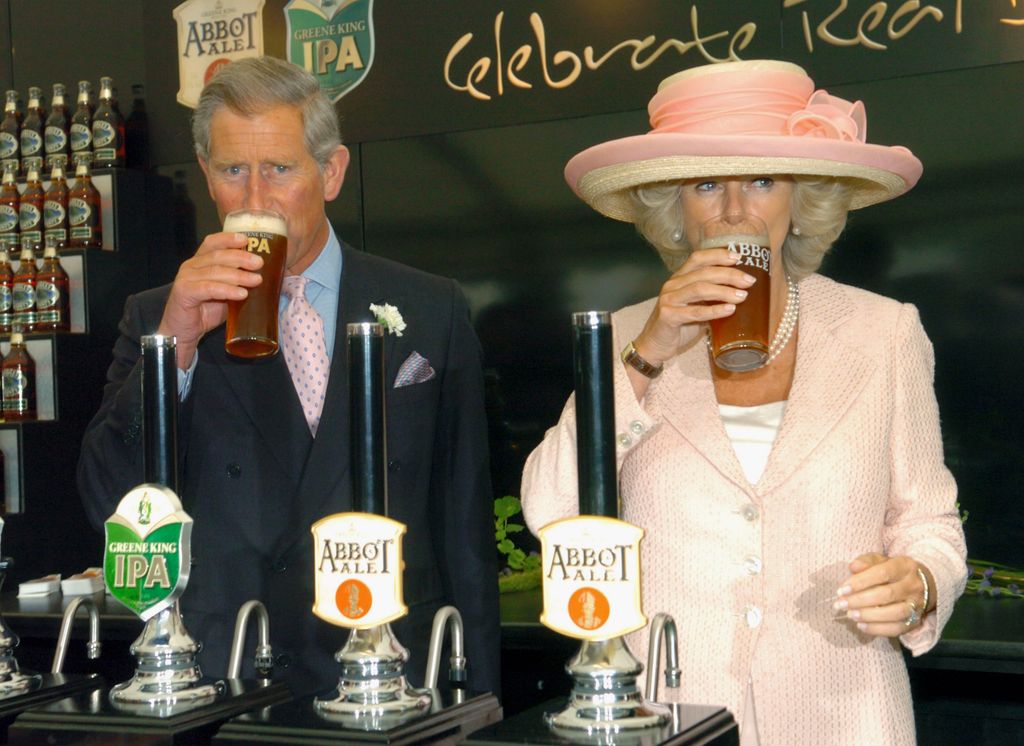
x=302 y=340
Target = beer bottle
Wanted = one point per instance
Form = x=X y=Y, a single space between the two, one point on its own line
x=136 y=132
x=81 y=121
x=55 y=208
x=10 y=133
x=53 y=311
x=6 y=286
x=30 y=212
x=84 y=210
x=32 y=130
x=55 y=138
x=23 y=293
x=10 y=206
x=107 y=129
x=19 y=381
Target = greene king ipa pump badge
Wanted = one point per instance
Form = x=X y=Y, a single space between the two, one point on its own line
x=146 y=559
x=358 y=570
x=591 y=577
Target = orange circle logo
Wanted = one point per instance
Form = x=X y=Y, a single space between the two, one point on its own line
x=588 y=608
x=353 y=599
x=214 y=67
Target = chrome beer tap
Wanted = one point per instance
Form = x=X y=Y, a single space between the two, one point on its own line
x=663 y=626
x=92 y=647
x=446 y=615
x=264 y=658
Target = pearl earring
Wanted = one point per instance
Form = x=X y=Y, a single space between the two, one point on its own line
x=677 y=235
x=795 y=230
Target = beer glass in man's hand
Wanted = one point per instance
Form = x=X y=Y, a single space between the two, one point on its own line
x=252 y=323
x=740 y=342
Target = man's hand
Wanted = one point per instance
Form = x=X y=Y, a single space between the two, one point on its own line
x=219 y=271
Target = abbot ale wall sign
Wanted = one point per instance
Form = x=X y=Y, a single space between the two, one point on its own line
x=212 y=33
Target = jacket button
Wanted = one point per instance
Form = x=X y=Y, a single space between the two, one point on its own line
x=624 y=440
x=279 y=565
x=394 y=465
x=753 y=616
x=752 y=564
x=750 y=512
x=234 y=470
x=283 y=660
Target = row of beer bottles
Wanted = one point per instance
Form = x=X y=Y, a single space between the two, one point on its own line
x=66 y=217
x=38 y=137
x=34 y=298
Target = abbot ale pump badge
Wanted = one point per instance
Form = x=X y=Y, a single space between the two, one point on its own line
x=591 y=577
x=357 y=560
x=146 y=558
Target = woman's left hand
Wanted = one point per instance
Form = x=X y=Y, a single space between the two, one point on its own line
x=884 y=595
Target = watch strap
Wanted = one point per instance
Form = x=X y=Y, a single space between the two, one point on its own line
x=632 y=358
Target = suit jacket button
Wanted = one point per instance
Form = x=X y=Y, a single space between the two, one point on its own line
x=280 y=565
x=394 y=465
x=234 y=470
x=283 y=660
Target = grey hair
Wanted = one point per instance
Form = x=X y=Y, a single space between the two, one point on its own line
x=819 y=208
x=255 y=85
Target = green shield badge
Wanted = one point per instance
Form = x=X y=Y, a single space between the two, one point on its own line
x=333 y=39
x=146 y=557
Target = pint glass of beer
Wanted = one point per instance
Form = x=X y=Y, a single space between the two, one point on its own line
x=740 y=342
x=252 y=323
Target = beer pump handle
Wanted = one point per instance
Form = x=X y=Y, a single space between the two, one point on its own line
x=160 y=410
x=595 y=413
x=366 y=413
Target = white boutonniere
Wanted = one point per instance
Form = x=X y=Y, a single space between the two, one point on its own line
x=389 y=317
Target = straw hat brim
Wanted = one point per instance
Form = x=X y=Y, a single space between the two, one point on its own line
x=603 y=174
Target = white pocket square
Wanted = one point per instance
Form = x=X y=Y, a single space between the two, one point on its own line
x=415 y=369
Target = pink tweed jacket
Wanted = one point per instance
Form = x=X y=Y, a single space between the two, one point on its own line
x=749 y=571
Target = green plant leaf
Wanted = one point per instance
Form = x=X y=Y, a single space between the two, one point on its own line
x=507 y=506
x=531 y=563
x=514 y=528
x=506 y=546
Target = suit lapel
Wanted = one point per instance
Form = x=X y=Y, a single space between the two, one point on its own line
x=686 y=398
x=267 y=397
x=827 y=370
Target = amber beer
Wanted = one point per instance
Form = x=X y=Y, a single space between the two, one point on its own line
x=740 y=342
x=252 y=323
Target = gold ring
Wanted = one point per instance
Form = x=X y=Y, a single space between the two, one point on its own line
x=913 y=617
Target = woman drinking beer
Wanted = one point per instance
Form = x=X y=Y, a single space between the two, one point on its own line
x=799 y=517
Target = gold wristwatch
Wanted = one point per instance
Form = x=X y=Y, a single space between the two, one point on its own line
x=632 y=358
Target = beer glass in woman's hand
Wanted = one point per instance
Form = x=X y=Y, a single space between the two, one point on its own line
x=252 y=323
x=739 y=342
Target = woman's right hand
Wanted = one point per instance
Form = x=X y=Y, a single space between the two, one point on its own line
x=708 y=286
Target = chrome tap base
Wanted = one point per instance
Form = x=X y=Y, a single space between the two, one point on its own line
x=12 y=680
x=372 y=682
x=167 y=673
x=605 y=698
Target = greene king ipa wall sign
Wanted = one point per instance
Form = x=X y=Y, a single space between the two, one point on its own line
x=333 y=39
x=146 y=557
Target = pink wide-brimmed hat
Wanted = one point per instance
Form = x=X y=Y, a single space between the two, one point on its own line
x=756 y=117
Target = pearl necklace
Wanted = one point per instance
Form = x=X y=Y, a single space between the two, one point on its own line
x=784 y=331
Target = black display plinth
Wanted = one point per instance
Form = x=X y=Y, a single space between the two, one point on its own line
x=52 y=686
x=691 y=725
x=91 y=718
x=297 y=722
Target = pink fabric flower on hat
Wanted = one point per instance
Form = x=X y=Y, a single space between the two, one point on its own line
x=830 y=117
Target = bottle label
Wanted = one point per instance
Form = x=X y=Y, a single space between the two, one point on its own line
x=15 y=384
x=31 y=143
x=56 y=140
x=8 y=145
x=60 y=235
x=47 y=297
x=81 y=137
x=79 y=213
x=5 y=303
x=29 y=217
x=104 y=156
x=9 y=220
x=54 y=214
x=24 y=296
x=103 y=134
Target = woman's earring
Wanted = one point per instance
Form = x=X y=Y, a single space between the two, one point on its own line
x=795 y=230
x=677 y=235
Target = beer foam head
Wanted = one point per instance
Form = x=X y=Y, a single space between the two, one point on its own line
x=264 y=221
